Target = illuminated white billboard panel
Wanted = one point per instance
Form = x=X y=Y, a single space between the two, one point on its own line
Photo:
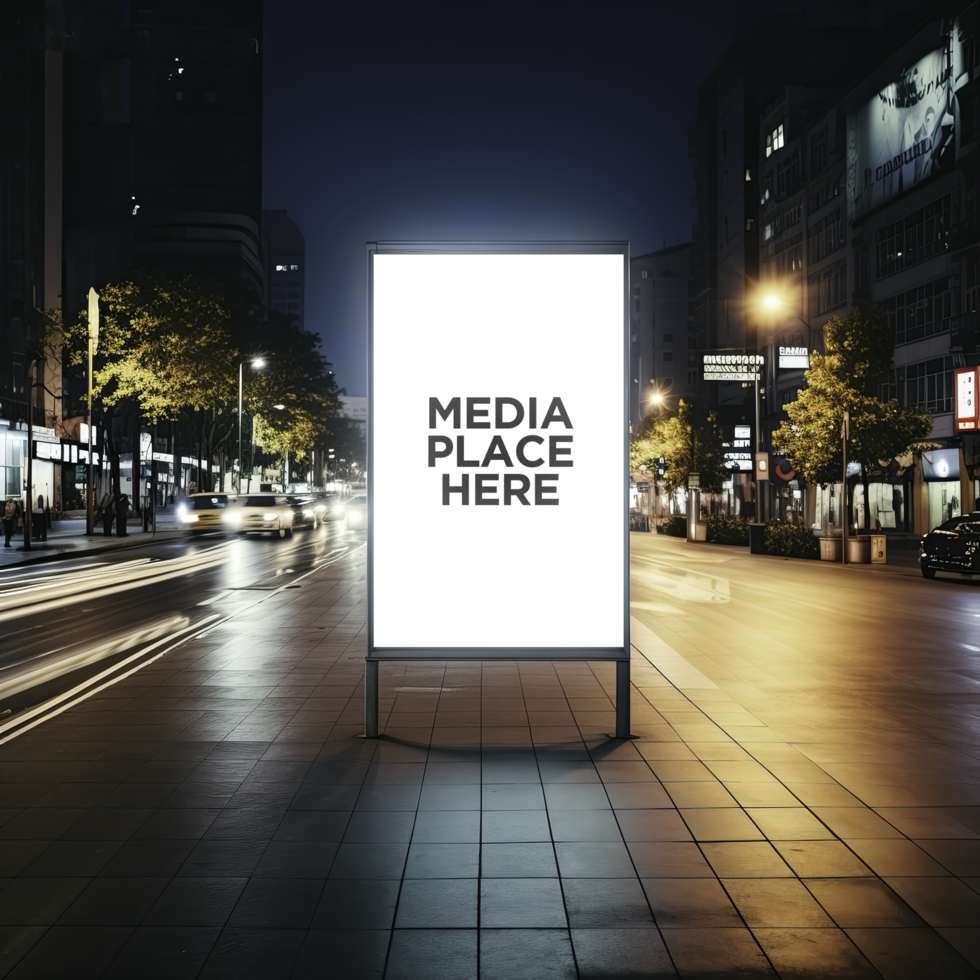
x=967 y=385
x=498 y=474
x=907 y=132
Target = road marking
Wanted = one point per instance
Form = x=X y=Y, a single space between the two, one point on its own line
x=55 y=701
x=55 y=706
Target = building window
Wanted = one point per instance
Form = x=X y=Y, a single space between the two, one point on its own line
x=668 y=338
x=790 y=260
x=828 y=289
x=774 y=140
x=919 y=236
x=922 y=312
x=692 y=377
x=927 y=385
x=825 y=236
x=826 y=194
x=668 y=355
x=644 y=274
x=788 y=175
x=748 y=174
x=818 y=152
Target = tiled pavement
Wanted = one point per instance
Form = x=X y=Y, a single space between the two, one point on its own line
x=215 y=815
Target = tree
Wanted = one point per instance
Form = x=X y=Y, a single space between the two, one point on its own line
x=690 y=441
x=848 y=379
x=172 y=344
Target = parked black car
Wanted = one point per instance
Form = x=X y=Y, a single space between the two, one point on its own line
x=954 y=546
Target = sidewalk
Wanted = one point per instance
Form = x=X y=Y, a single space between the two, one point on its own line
x=67 y=539
x=214 y=815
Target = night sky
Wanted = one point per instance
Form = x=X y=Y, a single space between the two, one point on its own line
x=480 y=120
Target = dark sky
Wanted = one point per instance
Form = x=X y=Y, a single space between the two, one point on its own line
x=480 y=120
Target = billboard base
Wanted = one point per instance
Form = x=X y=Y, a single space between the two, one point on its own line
x=371 y=683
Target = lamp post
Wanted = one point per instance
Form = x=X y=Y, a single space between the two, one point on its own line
x=93 y=343
x=256 y=363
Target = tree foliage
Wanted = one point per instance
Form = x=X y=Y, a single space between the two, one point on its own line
x=690 y=441
x=174 y=343
x=858 y=360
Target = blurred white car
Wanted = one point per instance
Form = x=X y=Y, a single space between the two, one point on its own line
x=204 y=512
x=260 y=513
x=357 y=511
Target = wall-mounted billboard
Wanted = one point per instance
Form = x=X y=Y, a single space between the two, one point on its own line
x=908 y=131
x=732 y=365
x=498 y=491
x=967 y=387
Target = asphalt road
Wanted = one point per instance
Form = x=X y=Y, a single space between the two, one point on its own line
x=821 y=653
x=65 y=622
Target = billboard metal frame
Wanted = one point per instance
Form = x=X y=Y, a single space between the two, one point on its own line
x=619 y=655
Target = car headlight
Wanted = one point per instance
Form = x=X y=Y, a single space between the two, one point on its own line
x=233 y=518
x=269 y=517
x=182 y=509
x=189 y=518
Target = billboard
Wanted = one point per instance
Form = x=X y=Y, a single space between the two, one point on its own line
x=794 y=358
x=967 y=386
x=732 y=365
x=908 y=131
x=498 y=463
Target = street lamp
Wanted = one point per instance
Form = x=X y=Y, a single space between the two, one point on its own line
x=256 y=363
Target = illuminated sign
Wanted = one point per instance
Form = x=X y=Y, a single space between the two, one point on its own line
x=796 y=358
x=732 y=366
x=739 y=455
x=907 y=131
x=508 y=429
x=966 y=386
x=941 y=465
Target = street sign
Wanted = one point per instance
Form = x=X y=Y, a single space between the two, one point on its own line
x=762 y=466
x=503 y=440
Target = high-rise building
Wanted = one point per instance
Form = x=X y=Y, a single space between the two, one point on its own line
x=284 y=255
x=31 y=106
x=164 y=131
x=662 y=359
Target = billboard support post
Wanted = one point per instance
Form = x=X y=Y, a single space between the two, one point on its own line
x=498 y=576
x=370 y=698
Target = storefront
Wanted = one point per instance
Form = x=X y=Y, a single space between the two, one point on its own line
x=941 y=475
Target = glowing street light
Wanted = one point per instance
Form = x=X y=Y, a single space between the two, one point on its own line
x=772 y=302
x=257 y=362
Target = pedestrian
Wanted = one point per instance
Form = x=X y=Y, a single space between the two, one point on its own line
x=107 y=518
x=46 y=523
x=9 y=521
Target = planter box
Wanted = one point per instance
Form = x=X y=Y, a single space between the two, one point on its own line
x=859 y=550
x=830 y=549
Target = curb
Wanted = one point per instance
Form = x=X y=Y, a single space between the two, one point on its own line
x=97 y=550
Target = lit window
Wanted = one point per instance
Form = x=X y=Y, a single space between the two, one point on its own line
x=767 y=233
x=295 y=268
x=768 y=144
x=282 y=268
x=748 y=174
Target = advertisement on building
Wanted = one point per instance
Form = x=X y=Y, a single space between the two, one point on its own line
x=907 y=132
x=732 y=365
x=496 y=445
x=966 y=387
